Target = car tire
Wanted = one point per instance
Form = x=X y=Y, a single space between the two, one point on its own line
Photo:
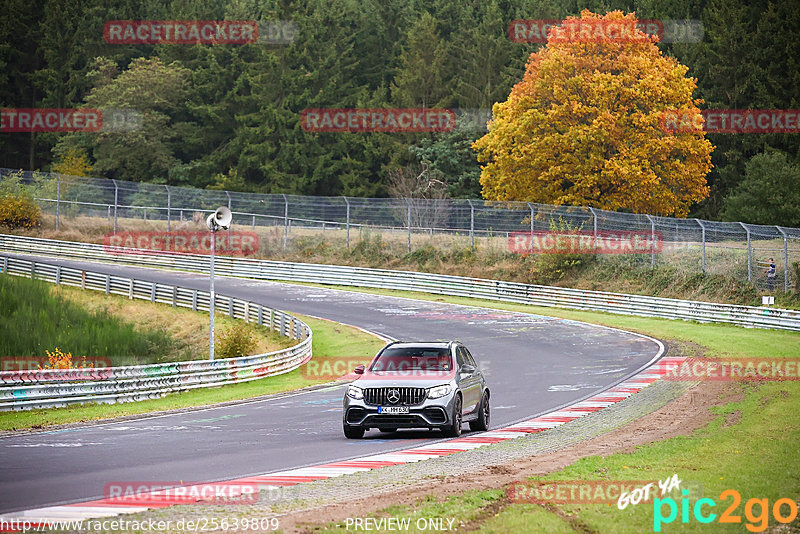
x=482 y=422
x=387 y=430
x=454 y=430
x=353 y=432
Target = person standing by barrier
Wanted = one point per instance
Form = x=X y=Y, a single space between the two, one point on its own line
x=771 y=271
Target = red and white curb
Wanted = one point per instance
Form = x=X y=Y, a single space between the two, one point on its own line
x=271 y=481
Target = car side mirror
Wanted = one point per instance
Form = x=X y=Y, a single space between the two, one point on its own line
x=359 y=370
x=467 y=369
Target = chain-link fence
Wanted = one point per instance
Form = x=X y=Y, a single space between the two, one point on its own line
x=765 y=255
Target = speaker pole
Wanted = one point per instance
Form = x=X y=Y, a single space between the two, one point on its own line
x=212 y=298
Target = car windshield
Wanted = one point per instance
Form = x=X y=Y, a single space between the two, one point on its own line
x=413 y=359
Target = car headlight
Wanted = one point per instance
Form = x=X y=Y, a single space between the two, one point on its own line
x=439 y=391
x=355 y=392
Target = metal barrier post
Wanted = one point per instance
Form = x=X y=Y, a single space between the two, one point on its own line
x=408 y=203
x=471 y=224
x=347 y=202
x=785 y=260
x=594 y=229
x=533 y=215
x=285 y=220
x=116 y=203
x=703 y=227
x=652 y=242
x=58 y=198
x=749 y=254
x=169 y=206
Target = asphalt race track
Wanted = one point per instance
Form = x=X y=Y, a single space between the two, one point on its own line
x=533 y=363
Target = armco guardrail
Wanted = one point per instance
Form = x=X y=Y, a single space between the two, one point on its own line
x=749 y=316
x=48 y=388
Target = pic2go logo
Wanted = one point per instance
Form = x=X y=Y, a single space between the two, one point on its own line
x=757 y=522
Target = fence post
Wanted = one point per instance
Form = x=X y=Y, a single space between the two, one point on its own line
x=703 y=226
x=58 y=199
x=532 y=225
x=347 y=202
x=169 y=206
x=749 y=254
x=594 y=229
x=408 y=204
x=285 y=220
x=116 y=198
x=229 y=207
x=652 y=242
x=785 y=260
x=471 y=224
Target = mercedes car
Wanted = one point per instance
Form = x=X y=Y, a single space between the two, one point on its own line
x=435 y=385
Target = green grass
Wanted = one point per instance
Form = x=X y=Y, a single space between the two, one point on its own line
x=756 y=455
x=455 y=512
x=35 y=320
x=332 y=341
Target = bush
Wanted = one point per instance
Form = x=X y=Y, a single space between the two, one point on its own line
x=19 y=211
x=796 y=267
x=237 y=341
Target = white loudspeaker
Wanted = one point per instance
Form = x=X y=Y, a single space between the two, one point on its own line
x=220 y=219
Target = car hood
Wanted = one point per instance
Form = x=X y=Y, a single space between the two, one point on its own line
x=424 y=379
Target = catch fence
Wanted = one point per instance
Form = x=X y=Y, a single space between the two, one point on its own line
x=734 y=249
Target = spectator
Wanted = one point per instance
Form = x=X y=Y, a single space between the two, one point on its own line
x=771 y=271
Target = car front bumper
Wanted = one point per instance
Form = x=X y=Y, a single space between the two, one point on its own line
x=431 y=413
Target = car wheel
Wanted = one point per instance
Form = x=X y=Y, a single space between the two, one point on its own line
x=482 y=422
x=387 y=430
x=353 y=432
x=454 y=430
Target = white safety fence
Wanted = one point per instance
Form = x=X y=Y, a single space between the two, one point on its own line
x=645 y=306
x=49 y=388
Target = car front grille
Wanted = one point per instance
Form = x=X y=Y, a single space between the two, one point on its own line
x=407 y=396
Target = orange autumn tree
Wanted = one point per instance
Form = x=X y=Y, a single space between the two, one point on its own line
x=583 y=127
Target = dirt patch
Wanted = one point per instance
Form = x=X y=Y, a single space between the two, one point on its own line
x=680 y=417
x=732 y=418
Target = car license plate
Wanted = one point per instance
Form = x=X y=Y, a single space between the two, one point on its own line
x=392 y=409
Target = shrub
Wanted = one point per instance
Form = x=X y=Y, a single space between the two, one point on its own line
x=19 y=211
x=796 y=267
x=238 y=340
x=58 y=359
